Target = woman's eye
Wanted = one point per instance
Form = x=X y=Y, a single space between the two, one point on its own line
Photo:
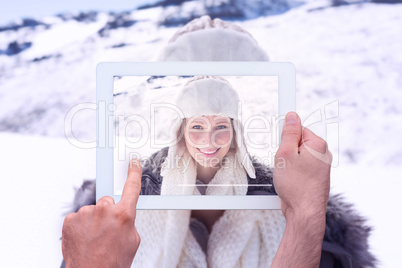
x=199 y=127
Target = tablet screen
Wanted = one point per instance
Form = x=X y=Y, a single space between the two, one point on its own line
x=146 y=114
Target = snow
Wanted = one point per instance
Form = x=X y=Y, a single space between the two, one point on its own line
x=62 y=35
x=38 y=175
x=148 y=14
x=375 y=193
x=348 y=62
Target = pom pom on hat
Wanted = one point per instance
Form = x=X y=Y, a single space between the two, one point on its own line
x=204 y=39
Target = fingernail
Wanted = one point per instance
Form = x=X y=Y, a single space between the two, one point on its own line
x=135 y=162
x=291 y=118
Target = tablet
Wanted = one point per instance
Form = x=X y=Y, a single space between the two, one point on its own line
x=140 y=105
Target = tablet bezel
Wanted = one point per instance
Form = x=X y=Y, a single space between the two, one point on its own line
x=105 y=72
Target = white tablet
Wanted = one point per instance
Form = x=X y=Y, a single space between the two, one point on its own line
x=138 y=109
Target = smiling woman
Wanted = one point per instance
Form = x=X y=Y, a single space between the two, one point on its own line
x=208 y=157
x=209 y=147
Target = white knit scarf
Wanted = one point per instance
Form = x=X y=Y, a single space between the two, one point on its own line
x=240 y=238
x=181 y=179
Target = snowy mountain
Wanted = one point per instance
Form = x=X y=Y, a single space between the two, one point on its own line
x=341 y=53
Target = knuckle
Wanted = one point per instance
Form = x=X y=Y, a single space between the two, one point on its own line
x=330 y=156
x=137 y=237
x=321 y=142
x=84 y=209
x=134 y=186
x=318 y=145
x=105 y=202
x=322 y=145
x=123 y=216
x=102 y=205
x=282 y=152
x=68 y=224
x=291 y=132
x=69 y=218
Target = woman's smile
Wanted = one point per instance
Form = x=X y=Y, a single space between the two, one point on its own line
x=208 y=153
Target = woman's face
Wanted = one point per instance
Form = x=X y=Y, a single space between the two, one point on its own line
x=208 y=138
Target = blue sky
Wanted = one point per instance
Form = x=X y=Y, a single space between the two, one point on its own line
x=14 y=9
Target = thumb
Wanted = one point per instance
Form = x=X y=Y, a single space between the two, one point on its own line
x=291 y=134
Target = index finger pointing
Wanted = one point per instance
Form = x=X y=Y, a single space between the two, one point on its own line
x=132 y=186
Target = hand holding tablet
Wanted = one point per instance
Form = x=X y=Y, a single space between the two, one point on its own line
x=302 y=180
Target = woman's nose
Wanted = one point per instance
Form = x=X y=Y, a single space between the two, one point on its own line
x=206 y=139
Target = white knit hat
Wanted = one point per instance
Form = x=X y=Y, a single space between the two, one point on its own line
x=204 y=96
x=204 y=39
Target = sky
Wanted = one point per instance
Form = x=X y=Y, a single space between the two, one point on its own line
x=15 y=9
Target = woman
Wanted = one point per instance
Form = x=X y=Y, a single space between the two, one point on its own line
x=211 y=123
x=209 y=151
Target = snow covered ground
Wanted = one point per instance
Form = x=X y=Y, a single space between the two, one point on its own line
x=350 y=55
x=37 y=178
